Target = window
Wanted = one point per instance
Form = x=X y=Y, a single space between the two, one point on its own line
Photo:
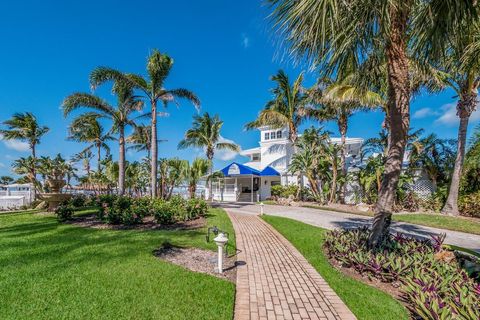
x=267 y=135
x=272 y=135
x=256 y=157
x=279 y=134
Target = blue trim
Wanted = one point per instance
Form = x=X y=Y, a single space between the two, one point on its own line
x=269 y=171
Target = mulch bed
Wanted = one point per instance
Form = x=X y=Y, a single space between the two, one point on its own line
x=149 y=223
x=199 y=260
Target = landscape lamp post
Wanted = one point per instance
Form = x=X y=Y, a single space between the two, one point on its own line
x=221 y=240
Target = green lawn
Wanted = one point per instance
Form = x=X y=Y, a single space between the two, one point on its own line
x=57 y=271
x=461 y=224
x=364 y=301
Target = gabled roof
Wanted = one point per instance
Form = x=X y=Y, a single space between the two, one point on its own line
x=269 y=171
x=237 y=169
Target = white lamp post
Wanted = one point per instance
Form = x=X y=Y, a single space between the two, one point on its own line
x=221 y=240
x=261 y=208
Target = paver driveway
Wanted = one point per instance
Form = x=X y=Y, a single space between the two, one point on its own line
x=274 y=281
x=331 y=220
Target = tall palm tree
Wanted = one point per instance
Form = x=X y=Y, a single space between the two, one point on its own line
x=86 y=128
x=205 y=133
x=153 y=88
x=194 y=172
x=338 y=101
x=120 y=115
x=330 y=32
x=140 y=139
x=24 y=127
x=459 y=56
x=26 y=167
x=287 y=108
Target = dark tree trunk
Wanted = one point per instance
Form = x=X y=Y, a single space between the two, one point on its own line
x=465 y=106
x=342 y=128
x=121 y=160
x=154 y=152
x=398 y=121
x=99 y=157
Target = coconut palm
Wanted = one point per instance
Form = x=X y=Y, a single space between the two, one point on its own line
x=330 y=32
x=153 y=88
x=24 y=127
x=140 y=139
x=194 y=172
x=205 y=133
x=87 y=129
x=120 y=115
x=286 y=109
x=338 y=101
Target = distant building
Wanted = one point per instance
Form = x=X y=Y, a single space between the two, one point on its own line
x=267 y=166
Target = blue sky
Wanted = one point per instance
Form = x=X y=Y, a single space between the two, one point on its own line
x=223 y=50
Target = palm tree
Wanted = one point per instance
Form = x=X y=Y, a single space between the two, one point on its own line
x=287 y=108
x=140 y=139
x=205 y=133
x=158 y=68
x=26 y=167
x=331 y=32
x=120 y=116
x=194 y=172
x=86 y=128
x=24 y=127
x=338 y=101
x=84 y=156
x=4 y=180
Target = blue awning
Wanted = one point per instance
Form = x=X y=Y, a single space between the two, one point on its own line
x=269 y=171
x=237 y=169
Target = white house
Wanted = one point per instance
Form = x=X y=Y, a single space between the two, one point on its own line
x=267 y=166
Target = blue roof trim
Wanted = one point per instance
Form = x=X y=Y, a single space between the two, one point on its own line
x=237 y=169
x=269 y=171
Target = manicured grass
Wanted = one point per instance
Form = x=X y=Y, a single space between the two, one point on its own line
x=50 y=270
x=441 y=221
x=461 y=224
x=364 y=301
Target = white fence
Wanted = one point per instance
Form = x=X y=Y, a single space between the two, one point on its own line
x=16 y=195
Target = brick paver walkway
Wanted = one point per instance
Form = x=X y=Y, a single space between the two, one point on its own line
x=276 y=282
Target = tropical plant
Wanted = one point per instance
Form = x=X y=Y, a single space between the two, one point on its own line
x=205 y=133
x=140 y=139
x=87 y=129
x=26 y=167
x=338 y=101
x=84 y=156
x=158 y=68
x=288 y=108
x=471 y=170
x=6 y=180
x=120 y=115
x=24 y=127
x=194 y=172
x=331 y=33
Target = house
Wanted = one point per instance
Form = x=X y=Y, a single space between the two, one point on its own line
x=267 y=166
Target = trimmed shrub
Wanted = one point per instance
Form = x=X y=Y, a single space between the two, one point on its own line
x=284 y=191
x=196 y=208
x=433 y=283
x=64 y=212
x=78 y=200
x=163 y=211
x=469 y=205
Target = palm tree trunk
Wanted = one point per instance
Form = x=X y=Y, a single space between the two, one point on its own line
x=333 y=189
x=121 y=160
x=466 y=105
x=398 y=106
x=210 y=154
x=99 y=156
x=342 y=128
x=154 y=152
x=34 y=156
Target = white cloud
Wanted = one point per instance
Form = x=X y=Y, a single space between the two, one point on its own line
x=225 y=155
x=424 y=113
x=15 y=144
x=245 y=41
x=449 y=114
x=2 y=165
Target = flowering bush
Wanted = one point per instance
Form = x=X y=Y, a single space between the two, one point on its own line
x=64 y=212
x=196 y=208
x=433 y=283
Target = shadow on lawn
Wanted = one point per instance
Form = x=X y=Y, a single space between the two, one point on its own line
x=52 y=245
